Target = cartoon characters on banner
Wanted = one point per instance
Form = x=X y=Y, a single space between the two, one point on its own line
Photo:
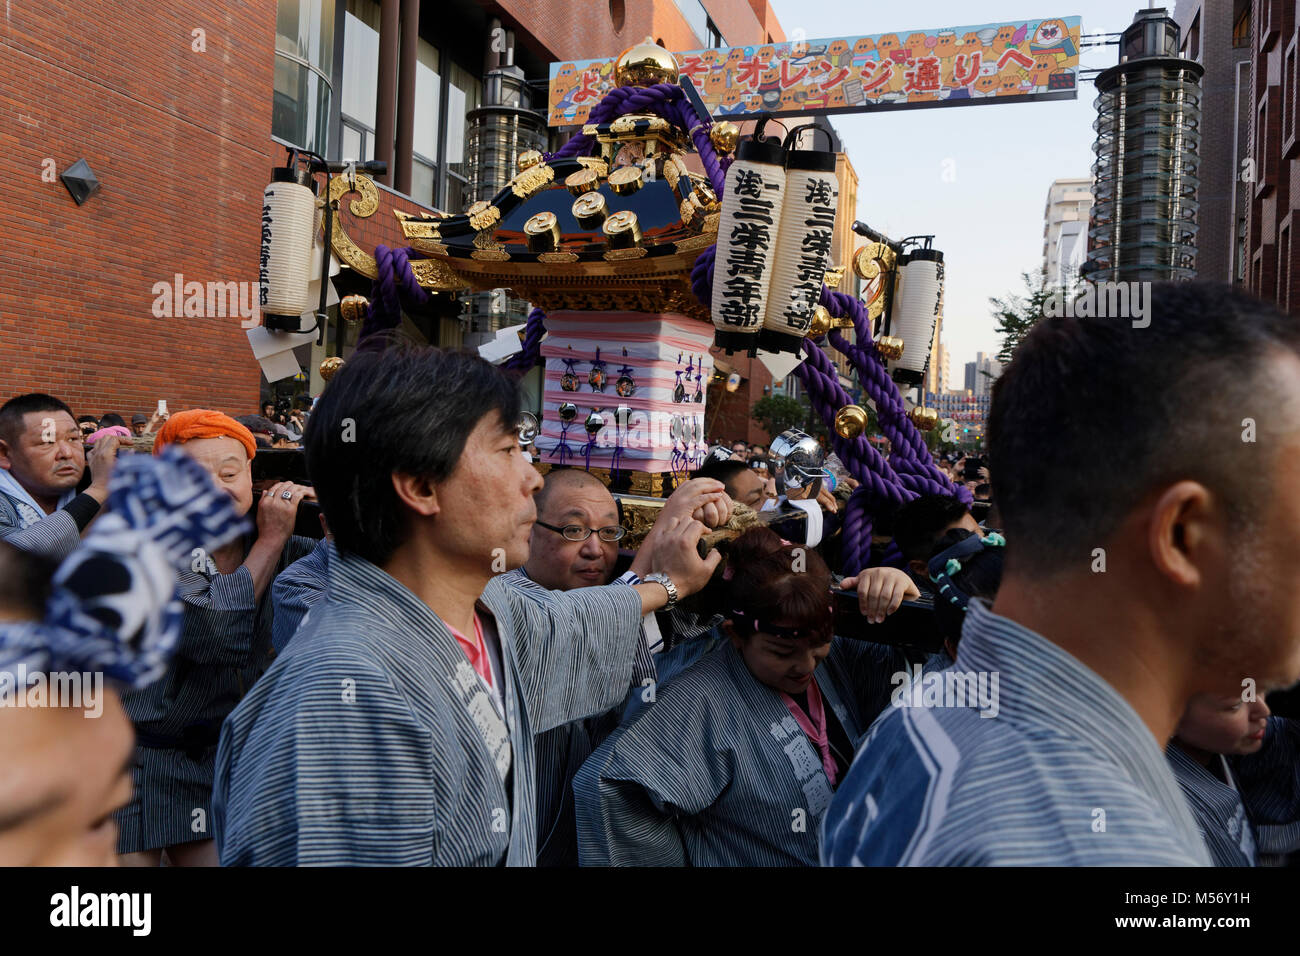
x=1032 y=59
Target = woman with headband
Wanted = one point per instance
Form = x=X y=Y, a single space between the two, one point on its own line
x=735 y=762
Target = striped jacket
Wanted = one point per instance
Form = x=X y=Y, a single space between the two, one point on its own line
x=225 y=646
x=1254 y=818
x=371 y=741
x=716 y=772
x=296 y=590
x=55 y=536
x=1065 y=774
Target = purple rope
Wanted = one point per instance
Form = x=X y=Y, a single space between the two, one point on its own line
x=534 y=330
x=395 y=286
x=911 y=458
x=663 y=99
x=702 y=276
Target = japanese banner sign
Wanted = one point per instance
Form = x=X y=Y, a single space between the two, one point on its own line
x=954 y=66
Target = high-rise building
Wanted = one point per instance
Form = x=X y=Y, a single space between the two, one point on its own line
x=981 y=373
x=1148 y=115
x=1271 y=252
x=936 y=373
x=1065 y=230
x=1216 y=34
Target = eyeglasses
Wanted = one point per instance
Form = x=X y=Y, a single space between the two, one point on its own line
x=576 y=532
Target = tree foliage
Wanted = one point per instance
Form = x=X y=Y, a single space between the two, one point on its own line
x=776 y=413
x=1017 y=314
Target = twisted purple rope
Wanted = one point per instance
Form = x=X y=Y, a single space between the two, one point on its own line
x=911 y=456
x=394 y=286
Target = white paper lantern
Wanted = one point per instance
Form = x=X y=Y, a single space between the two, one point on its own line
x=288 y=219
x=803 y=249
x=747 y=238
x=918 y=305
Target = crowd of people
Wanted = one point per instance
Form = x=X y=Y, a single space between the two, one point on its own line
x=468 y=666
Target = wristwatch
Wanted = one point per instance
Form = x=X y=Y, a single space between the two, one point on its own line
x=659 y=577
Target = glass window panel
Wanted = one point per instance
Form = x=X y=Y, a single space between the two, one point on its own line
x=427 y=81
x=424 y=182
x=305 y=28
x=457 y=194
x=360 y=70
x=352 y=143
x=300 y=106
x=696 y=17
x=463 y=97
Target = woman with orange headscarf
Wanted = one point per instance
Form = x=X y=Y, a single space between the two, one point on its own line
x=225 y=646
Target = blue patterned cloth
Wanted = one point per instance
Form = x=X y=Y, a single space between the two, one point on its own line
x=113 y=606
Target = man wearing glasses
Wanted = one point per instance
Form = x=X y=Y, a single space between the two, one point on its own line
x=574 y=544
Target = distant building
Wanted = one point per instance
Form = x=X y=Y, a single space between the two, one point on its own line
x=1217 y=35
x=1065 y=230
x=1143 y=225
x=936 y=373
x=1274 y=136
x=981 y=373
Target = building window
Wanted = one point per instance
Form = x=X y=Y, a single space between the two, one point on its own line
x=1241 y=29
x=1284 y=268
x=304 y=61
x=428 y=101
x=1288 y=97
x=715 y=37
x=464 y=92
x=1194 y=38
x=359 y=92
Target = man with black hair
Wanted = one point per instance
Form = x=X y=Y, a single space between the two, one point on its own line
x=921 y=522
x=431 y=672
x=743 y=483
x=1133 y=582
x=42 y=460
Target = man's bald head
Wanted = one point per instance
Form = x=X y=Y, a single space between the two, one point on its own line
x=565 y=480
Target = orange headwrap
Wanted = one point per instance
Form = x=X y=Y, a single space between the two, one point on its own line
x=202 y=423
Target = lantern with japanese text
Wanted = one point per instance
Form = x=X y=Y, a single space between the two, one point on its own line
x=288 y=226
x=803 y=246
x=918 y=305
x=747 y=239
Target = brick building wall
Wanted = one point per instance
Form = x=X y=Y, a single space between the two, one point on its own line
x=177 y=138
x=1275 y=149
x=1207 y=37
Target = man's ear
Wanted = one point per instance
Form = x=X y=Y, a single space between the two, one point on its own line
x=1184 y=533
x=417 y=493
x=5 y=461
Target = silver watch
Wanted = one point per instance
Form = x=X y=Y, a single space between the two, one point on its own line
x=659 y=577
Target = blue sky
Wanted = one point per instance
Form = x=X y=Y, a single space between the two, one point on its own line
x=988 y=219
